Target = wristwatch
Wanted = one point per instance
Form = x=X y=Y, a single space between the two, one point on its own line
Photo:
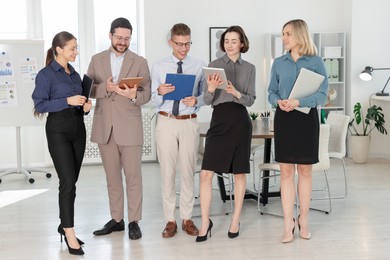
x=133 y=100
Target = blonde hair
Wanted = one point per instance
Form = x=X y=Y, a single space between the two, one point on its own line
x=301 y=33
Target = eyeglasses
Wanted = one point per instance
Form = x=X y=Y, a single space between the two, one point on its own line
x=120 y=38
x=181 y=44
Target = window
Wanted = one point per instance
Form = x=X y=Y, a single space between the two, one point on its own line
x=55 y=21
x=58 y=15
x=14 y=26
x=106 y=13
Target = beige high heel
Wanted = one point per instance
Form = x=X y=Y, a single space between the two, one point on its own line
x=301 y=235
x=288 y=239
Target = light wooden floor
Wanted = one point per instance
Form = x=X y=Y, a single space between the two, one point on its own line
x=358 y=227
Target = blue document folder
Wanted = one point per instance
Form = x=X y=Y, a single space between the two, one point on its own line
x=184 y=84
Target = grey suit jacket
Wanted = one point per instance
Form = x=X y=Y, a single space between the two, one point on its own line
x=115 y=112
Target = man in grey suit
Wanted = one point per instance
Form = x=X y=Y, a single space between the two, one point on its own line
x=117 y=125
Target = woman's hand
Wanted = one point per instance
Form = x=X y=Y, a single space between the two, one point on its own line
x=87 y=106
x=77 y=100
x=232 y=90
x=288 y=104
x=213 y=82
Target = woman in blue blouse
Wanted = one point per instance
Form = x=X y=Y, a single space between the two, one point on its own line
x=58 y=91
x=228 y=140
x=296 y=133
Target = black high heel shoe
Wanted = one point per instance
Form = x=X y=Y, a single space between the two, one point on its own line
x=234 y=235
x=204 y=238
x=304 y=236
x=73 y=251
x=62 y=233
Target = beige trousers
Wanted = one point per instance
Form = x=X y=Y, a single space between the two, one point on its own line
x=177 y=144
x=115 y=158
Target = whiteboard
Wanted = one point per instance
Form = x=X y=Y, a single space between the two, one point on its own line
x=20 y=61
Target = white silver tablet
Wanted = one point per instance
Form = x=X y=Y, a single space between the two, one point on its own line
x=210 y=71
x=306 y=84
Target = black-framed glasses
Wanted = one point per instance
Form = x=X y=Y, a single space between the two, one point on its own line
x=120 y=38
x=181 y=44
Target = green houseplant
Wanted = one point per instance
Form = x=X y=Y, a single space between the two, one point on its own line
x=253 y=115
x=360 y=128
x=374 y=119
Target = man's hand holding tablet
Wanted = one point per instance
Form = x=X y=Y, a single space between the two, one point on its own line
x=130 y=82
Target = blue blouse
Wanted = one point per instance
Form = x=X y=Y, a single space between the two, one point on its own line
x=53 y=86
x=283 y=74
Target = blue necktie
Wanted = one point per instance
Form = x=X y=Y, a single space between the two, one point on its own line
x=176 y=103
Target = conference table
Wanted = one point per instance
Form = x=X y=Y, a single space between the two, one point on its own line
x=257 y=132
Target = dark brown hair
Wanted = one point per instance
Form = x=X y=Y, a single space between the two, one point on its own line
x=59 y=40
x=243 y=39
x=121 y=23
x=180 y=29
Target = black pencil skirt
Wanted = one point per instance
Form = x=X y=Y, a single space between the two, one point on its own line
x=228 y=141
x=296 y=136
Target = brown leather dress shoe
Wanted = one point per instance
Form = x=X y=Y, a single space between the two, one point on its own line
x=170 y=230
x=189 y=227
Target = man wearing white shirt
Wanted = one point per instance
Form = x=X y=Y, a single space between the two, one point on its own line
x=177 y=130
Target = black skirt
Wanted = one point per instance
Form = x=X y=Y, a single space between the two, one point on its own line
x=228 y=141
x=296 y=136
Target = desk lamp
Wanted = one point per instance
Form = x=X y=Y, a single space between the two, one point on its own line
x=366 y=76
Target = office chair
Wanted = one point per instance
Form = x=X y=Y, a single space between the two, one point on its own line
x=337 y=142
x=257 y=145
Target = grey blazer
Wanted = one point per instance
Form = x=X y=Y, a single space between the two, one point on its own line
x=115 y=112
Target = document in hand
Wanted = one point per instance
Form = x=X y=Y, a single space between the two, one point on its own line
x=87 y=86
x=306 y=84
x=184 y=84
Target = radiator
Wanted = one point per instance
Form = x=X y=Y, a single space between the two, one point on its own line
x=92 y=154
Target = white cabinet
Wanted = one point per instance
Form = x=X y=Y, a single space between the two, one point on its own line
x=331 y=47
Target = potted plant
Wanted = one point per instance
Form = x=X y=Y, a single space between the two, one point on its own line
x=360 y=128
x=253 y=115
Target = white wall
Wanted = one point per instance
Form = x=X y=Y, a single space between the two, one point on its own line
x=369 y=47
x=366 y=25
x=257 y=17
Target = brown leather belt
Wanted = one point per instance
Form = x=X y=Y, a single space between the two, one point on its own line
x=181 y=117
